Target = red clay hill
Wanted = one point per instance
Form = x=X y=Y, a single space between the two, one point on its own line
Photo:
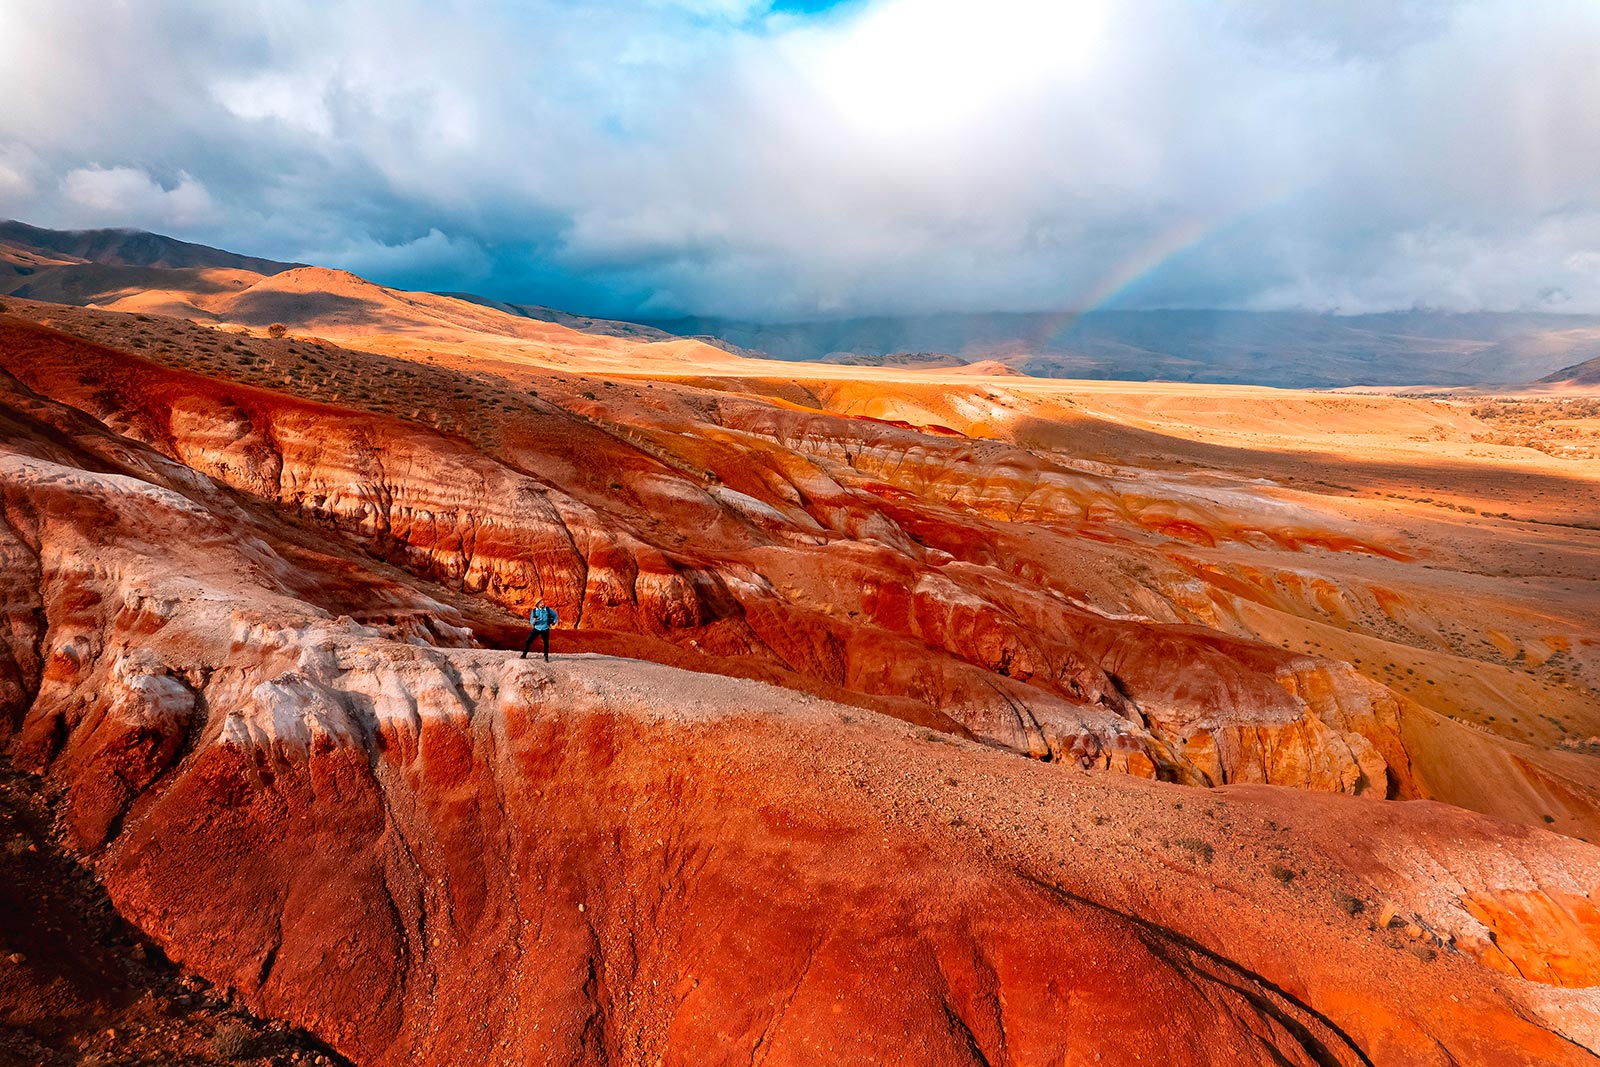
x=897 y=716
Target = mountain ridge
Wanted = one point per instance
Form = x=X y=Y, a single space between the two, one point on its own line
x=1296 y=349
x=119 y=247
x=122 y=268
x=1585 y=373
x=874 y=688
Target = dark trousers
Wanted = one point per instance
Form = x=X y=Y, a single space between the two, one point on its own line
x=544 y=634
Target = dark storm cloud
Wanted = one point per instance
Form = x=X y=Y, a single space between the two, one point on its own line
x=722 y=156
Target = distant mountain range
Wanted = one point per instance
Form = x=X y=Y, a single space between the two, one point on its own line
x=1585 y=374
x=586 y=323
x=114 y=248
x=1288 y=348
x=1284 y=348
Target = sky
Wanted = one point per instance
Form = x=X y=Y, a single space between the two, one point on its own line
x=811 y=159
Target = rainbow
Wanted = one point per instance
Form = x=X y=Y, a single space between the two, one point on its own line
x=1141 y=262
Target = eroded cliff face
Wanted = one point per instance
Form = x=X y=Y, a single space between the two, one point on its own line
x=540 y=863
x=434 y=854
x=287 y=761
x=854 y=559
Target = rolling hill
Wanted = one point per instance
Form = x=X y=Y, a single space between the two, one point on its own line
x=130 y=270
x=1586 y=373
x=897 y=714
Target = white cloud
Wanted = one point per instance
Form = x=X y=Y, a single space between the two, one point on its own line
x=18 y=166
x=298 y=103
x=408 y=262
x=704 y=155
x=120 y=195
x=909 y=69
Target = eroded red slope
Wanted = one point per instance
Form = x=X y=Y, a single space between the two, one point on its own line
x=831 y=551
x=1019 y=597
x=610 y=861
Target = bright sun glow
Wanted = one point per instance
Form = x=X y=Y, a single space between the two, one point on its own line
x=920 y=67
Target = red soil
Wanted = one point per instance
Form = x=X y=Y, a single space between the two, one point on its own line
x=236 y=633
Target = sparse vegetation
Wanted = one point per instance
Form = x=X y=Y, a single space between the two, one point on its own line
x=233 y=1042
x=1200 y=848
x=277 y=330
x=1566 y=428
x=1350 y=905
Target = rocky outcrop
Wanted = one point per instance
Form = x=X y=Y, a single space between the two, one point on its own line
x=613 y=861
x=780 y=545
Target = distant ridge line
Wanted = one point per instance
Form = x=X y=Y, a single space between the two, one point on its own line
x=133 y=248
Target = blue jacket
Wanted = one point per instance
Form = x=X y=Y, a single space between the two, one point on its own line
x=544 y=618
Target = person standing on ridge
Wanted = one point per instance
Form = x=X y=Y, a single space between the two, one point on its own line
x=544 y=618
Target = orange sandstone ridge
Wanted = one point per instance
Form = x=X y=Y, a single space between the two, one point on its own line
x=897 y=716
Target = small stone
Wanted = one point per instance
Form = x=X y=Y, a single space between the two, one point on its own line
x=580 y=907
x=17 y=958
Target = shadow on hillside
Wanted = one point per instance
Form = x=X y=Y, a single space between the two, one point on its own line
x=1526 y=494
